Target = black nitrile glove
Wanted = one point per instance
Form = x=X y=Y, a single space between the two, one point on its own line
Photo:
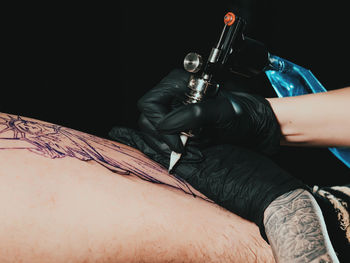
x=158 y=102
x=240 y=180
x=229 y=117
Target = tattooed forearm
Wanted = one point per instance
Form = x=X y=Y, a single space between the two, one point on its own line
x=296 y=230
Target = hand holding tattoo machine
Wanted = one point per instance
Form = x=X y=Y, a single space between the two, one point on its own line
x=247 y=57
x=203 y=75
x=233 y=52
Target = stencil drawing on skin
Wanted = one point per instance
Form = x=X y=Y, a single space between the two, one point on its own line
x=54 y=141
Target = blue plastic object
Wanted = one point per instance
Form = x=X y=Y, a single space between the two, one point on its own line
x=289 y=79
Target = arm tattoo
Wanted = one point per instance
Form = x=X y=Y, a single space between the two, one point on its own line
x=296 y=230
x=53 y=141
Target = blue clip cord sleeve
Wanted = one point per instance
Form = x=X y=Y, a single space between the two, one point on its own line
x=289 y=79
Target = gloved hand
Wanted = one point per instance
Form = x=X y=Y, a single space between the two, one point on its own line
x=240 y=180
x=229 y=117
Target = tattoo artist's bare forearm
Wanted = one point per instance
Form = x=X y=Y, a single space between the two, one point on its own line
x=296 y=230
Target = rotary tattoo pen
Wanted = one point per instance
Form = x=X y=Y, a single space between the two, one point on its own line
x=203 y=75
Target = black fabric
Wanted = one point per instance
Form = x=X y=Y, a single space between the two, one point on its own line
x=335 y=205
x=240 y=180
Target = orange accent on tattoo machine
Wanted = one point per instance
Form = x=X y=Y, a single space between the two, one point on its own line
x=229 y=18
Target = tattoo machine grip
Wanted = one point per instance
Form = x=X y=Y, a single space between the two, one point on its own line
x=203 y=78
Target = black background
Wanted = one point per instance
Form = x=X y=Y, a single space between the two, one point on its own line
x=85 y=66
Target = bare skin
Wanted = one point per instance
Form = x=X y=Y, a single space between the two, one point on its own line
x=321 y=119
x=66 y=196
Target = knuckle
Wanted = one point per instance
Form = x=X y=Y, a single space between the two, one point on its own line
x=197 y=111
x=176 y=72
x=145 y=102
x=179 y=75
x=145 y=125
x=196 y=115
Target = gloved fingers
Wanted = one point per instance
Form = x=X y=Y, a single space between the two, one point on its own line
x=182 y=119
x=245 y=181
x=215 y=112
x=152 y=146
x=179 y=77
x=142 y=142
x=159 y=99
x=146 y=126
x=164 y=143
x=171 y=142
x=128 y=137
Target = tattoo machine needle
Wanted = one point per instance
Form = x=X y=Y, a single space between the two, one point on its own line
x=202 y=77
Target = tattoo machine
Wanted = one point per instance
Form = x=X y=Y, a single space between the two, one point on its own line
x=232 y=45
x=247 y=57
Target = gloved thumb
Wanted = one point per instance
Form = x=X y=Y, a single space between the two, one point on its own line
x=172 y=141
x=152 y=146
x=214 y=112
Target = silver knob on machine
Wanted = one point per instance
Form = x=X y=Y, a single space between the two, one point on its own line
x=193 y=62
